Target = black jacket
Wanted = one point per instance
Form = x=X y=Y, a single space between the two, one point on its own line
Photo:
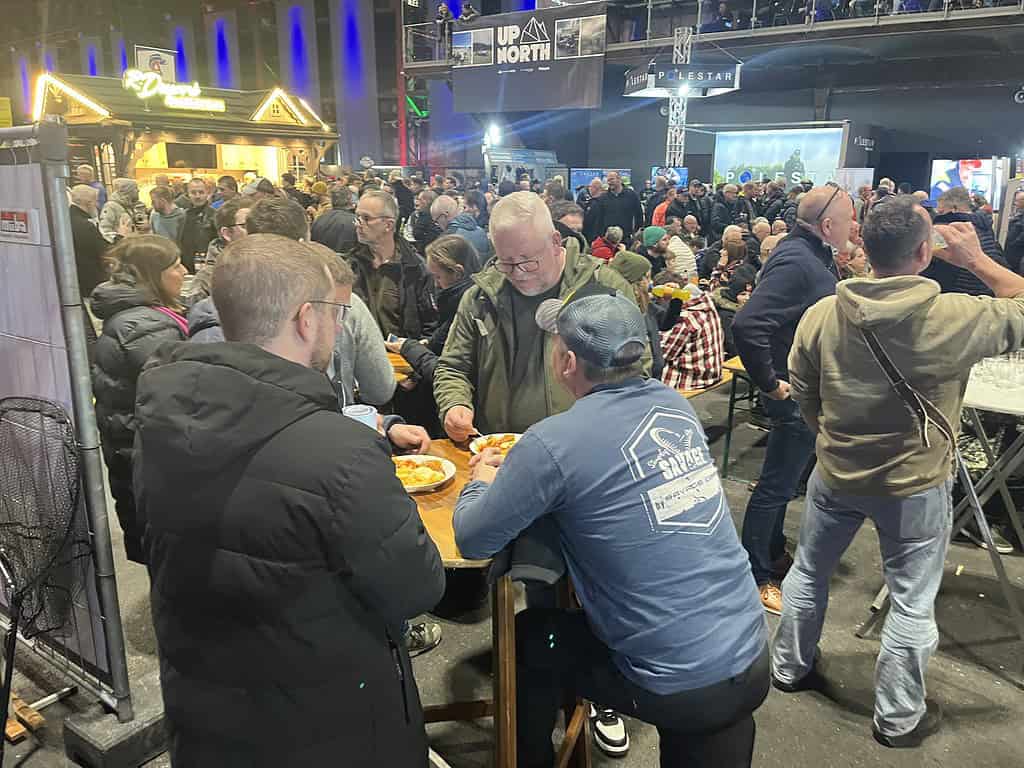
x=953 y=279
x=658 y=318
x=423 y=357
x=284 y=556
x=336 y=229
x=416 y=304
x=1015 y=243
x=788 y=214
x=90 y=246
x=724 y=214
x=132 y=330
x=652 y=202
x=406 y=199
x=424 y=231
x=773 y=207
x=621 y=210
x=800 y=272
x=196 y=235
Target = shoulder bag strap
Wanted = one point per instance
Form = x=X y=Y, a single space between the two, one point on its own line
x=925 y=412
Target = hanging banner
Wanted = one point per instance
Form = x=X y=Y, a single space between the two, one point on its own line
x=662 y=81
x=537 y=60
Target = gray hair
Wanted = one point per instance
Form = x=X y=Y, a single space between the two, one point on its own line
x=83 y=195
x=614 y=235
x=562 y=208
x=261 y=280
x=341 y=197
x=955 y=197
x=521 y=208
x=387 y=202
x=893 y=230
x=123 y=186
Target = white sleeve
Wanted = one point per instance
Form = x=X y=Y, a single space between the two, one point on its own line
x=371 y=367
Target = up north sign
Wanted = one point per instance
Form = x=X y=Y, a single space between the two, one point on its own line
x=664 y=80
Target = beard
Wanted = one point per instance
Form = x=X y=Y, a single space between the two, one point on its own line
x=323 y=350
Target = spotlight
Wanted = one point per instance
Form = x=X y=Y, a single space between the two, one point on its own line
x=493 y=134
x=684 y=89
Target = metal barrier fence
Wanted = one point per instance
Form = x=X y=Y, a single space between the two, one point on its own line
x=429 y=42
x=43 y=349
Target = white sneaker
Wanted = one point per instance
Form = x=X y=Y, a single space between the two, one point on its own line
x=609 y=732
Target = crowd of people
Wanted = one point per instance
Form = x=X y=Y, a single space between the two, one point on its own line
x=237 y=326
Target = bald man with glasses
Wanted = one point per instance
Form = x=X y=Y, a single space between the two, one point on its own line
x=801 y=271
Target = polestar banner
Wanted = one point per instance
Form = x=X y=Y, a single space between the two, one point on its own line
x=534 y=60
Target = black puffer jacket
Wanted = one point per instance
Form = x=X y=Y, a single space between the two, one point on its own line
x=284 y=555
x=132 y=330
x=773 y=207
x=724 y=213
x=953 y=279
x=1015 y=243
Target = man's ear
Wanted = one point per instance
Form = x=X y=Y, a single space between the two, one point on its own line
x=571 y=363
x=305 y=325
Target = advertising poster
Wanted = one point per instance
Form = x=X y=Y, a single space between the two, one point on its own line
x=535 y=60
x=581 y=177
x=976 y=176
x=789 y=156
x=157 y=60
x=676 y=176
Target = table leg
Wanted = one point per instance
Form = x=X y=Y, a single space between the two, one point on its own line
x=728 y=427
x=503 y=625
x=1004 y=491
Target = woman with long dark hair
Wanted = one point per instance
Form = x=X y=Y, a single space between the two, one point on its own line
x=140 y=309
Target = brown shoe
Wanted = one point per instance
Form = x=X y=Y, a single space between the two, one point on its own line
x=771 y=598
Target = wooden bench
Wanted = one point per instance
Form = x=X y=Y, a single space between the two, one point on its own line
x=689 y=394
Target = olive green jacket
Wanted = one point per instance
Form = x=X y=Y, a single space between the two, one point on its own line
x=475 y=366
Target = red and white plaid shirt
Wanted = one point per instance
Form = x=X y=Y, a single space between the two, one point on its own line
x=693 y=348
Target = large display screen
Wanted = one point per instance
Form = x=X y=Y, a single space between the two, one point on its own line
x=676 y=176
x=543 y=59
x=581 y=177
x=789 y=156
x=976 y=176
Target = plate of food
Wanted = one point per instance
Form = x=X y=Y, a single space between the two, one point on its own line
x=503 y=441
x=423 y=473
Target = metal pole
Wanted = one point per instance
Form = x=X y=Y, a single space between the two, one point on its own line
x=53 y=139
x=650 y=9
x=675 y=139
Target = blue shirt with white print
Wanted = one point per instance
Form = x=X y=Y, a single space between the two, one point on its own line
x=645 y=530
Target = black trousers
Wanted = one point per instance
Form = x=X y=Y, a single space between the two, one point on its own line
x=558 y=655
x=119 y=475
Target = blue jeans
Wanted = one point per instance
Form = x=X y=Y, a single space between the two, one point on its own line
x=913 y=535
x=790 y=447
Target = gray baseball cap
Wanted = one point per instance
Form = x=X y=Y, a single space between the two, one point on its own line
x=606 y=330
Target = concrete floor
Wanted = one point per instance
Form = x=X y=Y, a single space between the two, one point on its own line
x=976 y=674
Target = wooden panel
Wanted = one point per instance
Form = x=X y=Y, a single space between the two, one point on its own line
x=399 y=363
x=734 y=364
x=437 y=508
x=503 y=624
x=692 y=393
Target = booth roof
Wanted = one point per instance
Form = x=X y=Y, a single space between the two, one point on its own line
x=239 y=107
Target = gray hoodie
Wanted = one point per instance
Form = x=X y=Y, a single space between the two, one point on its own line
x=168 y=224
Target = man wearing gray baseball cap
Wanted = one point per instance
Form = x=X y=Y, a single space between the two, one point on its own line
x=672 y=631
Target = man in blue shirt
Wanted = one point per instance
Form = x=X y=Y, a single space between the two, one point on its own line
x=671 y=631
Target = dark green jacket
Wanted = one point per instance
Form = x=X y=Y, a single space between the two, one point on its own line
x=475 y=366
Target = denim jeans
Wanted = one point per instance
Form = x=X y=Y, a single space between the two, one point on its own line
x=913 y=535
x=790 y=447
x=558 y=655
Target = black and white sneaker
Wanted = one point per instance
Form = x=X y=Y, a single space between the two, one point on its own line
x=609 y=731
x=420 y=638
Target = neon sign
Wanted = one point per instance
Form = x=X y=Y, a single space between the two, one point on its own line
x=189 y=96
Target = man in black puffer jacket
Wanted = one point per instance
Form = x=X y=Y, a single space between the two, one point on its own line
x=774 y=201
x=1015 y=233
x=284 y=554
x=729 y=208
x=955 y=205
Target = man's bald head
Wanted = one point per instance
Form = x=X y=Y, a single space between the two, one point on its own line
x=443 y=210
x=762 y=229
x=732 y=234
x=827 y=211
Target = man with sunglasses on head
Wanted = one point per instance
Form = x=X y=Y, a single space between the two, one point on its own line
x=801 y=271
x=390 y=277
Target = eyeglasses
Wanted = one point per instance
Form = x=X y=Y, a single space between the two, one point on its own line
x=835 y=191
x=343 y=309
x=527 y=265
x=364 y=219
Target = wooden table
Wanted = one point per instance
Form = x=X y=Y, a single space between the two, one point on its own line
x=437 y=510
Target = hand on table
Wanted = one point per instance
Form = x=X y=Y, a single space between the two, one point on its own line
x=781 y=392
x=409 y=438
x=458 y=423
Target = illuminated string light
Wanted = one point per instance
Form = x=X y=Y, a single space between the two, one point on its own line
x=47 y=80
